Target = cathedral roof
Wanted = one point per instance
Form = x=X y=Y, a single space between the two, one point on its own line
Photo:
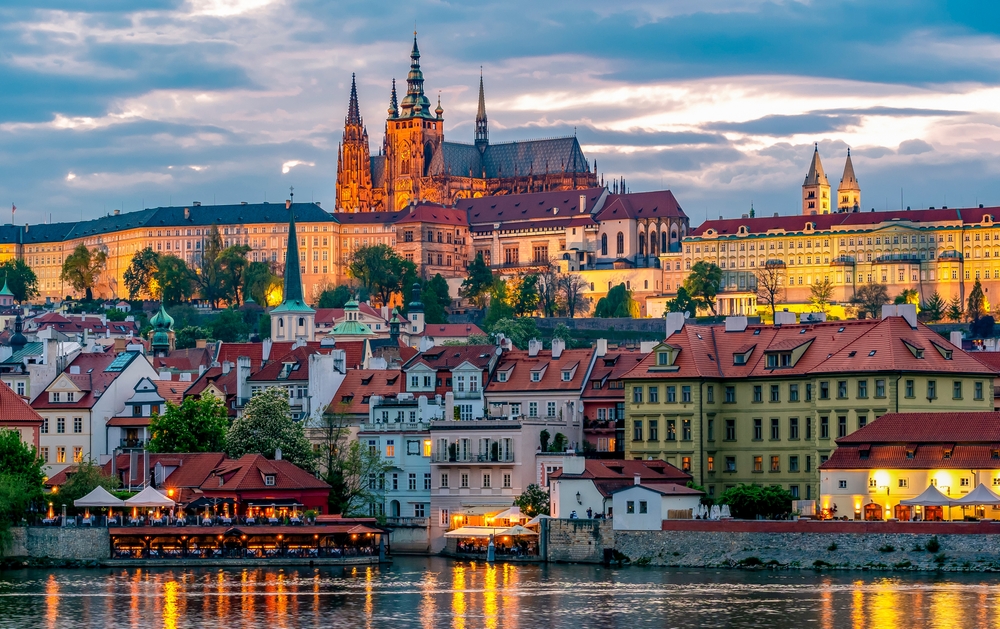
x=510 y=159
x=816 y=175
x=378 y=170
x=849 y=181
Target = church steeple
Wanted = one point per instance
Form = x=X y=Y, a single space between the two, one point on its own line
x=482 y=128
x=816 y=188
x=393 y=103
x=353 y=111
x=293 y=319
x=354 y=173
x=415 y=103
x=849 y=192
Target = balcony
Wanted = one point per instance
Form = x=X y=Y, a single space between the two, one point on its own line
x=127 y=444
x=843 y=261
x=395 y=427
x=458 y=457
x=408 y=522
x=468 y=395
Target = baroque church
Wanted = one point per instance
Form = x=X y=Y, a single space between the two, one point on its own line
x=417 y=164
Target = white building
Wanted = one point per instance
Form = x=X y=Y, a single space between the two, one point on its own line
x=642 y=507
x=584 y=484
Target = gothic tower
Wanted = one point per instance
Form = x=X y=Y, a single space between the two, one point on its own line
x=482 y=128
x=816 y=188
x=849 y=192
x=412 y=134
x=354 y=175
x=293 y=319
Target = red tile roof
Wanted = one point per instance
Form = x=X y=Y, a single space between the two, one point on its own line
x=229 y=352
x=360 y=384
x=612 y=475
x=326 y=317
x=541 y=209
x=433 y=213
x=519 y=365
x=172 y=390
x=446 y=357
x=192 y=468
x=79 y=323
x=298 y=358
x=990 y=359
x=929 y=428
x=657 y=204
x=14 y=409
x=612 y=366
x=924 y=457
x=185 y=359
x=452 y=330
x=248 y=472
x=92 y=380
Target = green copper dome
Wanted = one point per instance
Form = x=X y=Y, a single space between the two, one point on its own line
x=162 y=324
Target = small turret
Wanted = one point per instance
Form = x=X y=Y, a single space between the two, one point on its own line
x=163 y=325
x=482 y=127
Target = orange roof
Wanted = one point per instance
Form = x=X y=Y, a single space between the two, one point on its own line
x=172 y=390
x=249 y=470
x=360 y=384
x=454 y=330
x=612 y=366
x=519 y=367
x=15 y=409
x=433 y=213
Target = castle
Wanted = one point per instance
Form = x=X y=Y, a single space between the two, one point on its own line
x=416 y=164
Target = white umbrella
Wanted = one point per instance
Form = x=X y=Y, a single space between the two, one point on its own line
x=100 y=497
x=149 y=497
x=931 y=497
x=725 y=512
x=537 y=519
x=981 y=495
x=715 y=513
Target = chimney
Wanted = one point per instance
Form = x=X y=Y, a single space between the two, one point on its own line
x=736 y=324
x=184 y=377
x=277 y=454
x=558 y=345
x=675 y=322
x=784 y=318
x=646 y=347
x=200 y=343
x=288 y=204
x=117 y=212
x=242 y=375
x=165 y=374
x=956 y=338
x=226 y=367
x=533 y=346
x=201 y=370
x=602 y=348
x=196 y=203
x=26 y=227
x=636 y=479
x=187 y=213
x=583 y=203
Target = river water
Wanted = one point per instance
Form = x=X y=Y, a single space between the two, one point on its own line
x=434 y=593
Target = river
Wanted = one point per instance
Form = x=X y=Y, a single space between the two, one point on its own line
x=434 y=593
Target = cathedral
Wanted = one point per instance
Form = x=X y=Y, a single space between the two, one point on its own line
x=816 y=188
x=417 y=164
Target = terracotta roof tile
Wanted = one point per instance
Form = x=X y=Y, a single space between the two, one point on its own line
x=360 y=384
x=15 y=409
x=248 y=472
x=519 y=379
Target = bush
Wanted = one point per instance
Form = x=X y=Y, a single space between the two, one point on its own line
x=747 y=502
x=940 y=558
x=832 y=547
x=917 y=548
x=819 y=564
x=888 y=548
x=750 y=562
x=902 y=565
x=933 y=545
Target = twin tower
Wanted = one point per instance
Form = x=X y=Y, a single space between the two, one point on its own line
x=816 y=189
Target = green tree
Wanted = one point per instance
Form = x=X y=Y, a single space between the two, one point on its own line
x=476 y=287
x=870 y=298
x=209 y=277
x=336 y=297
x=559 y=443
x=955 y=311
x=533 y=501
x=519 y=331
x=347 y=466
x=934 y=308
x=682 y=302
x=196 y=425
x=82 y=268
x=573 y=297
x=259 y=280
x=770 y=284
x=907 y=296
x=821 y=294
x=381 y=271
x=746 y=502
x=21 y=478
x=87 y=477
x=562 y=331
x=704 y=283
x=435 y=297
x=184 y=315
x=21 y=280
x=175 y=279
x=617 y=303
x=267 y=425
x=229 y=326
x=977 y=305
x=524 y=296
x=499 y=308
x=233 y=266
x=140 y=274
x=188 y=336
x=548 y=291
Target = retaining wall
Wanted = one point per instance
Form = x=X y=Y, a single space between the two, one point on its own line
x=577 y=541
x=60 y=543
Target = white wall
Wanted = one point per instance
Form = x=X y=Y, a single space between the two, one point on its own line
x=652 y=520
x=562 y=497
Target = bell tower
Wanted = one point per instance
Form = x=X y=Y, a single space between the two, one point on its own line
x=849 y=191
x=413 y=133
x=816 y=188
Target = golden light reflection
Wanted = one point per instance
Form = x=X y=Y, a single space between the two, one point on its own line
x=511 y=603
x=858 y=605
x=490 y=597
x=946 y=609
x=170 y=590
x=282 y=601
x=883 y=609
x=247 y=602
x=429 y=586
x=369 y=603
x=52 y=601
x=826 y=606
x=458 y=596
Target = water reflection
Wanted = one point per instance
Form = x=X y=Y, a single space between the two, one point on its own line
x=434 y=593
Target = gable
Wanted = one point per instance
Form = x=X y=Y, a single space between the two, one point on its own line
x=63 y=383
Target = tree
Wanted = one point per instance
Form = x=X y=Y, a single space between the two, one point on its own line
x=907 y=296
x=87 y=477
x=746 y=502
x=381 y=271
x=617 y=303
x=175 y=280
x=933 y=309
x=500 y=308
x=955 y=311
x=187 y=337
x=435 y=297
x=233 y=267
x=229 y=326
x=543 y=440
x=140 y=274
x=682 y=302
x=982 y=327
x=770 y=280
x=261 y=282
x=559 y=443
x=977 y=304
x=519 y=331
x=533 y=501
x=267 y=425
x=476 y=287
x=870 y=298
x=548 y=291
x=196 y=425
x=21 y=479
x=572 y=287
x=563 y=332
x=21 y=280
x=336 y=297
x=704 y=283
x=347 y=466
x=209 y=278
x=523 y=294
x=821 y=294
x=82 y=268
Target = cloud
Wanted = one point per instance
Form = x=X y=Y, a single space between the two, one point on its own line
x=287 y=167
x=914 y=147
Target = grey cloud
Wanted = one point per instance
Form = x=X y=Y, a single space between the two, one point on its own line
x=914 y=147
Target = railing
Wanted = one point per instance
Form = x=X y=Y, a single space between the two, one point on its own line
x=415 y=522
x=133 y=443
x=458 y=457
x=468 y=395
x=843 y=261
x=899 y=257
x=392 y=426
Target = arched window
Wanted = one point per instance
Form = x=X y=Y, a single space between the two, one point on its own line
x=281 y=323
x=642 y=245
x=663 y=242
x=652 y=244
x=302 y=321
x=621 y=243
x=604 y=244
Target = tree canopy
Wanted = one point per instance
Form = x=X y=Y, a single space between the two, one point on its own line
x=267 y=425
x=519 y=331
x=233 y=266
x=21 y=479
x=820 y=294
x=746 y=502
x=82 y=268
x=336 y=297
x=934 y=308
x=476 y=287
x=682 y=302
x=770 y=284
x=347 y=466
x=704 y=283
x=574 y=299
x=617 y=303
x=209 y=277
x=87 y=477
x=174 y=279
x=977 y=306
x=870 y=298
x=533 y=501
x=435 y=297
x=260 y=281
x=140 y=274
x=196 y=425
x=381 y=271
x=21 y=280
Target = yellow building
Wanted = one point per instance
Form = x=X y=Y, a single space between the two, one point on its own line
x=734 y=404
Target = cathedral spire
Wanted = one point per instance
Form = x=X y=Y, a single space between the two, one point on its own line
x=415 y=103
x=849 y=192
x=353 y=111
x=482 y=128
x=816 y=188
x=293 y=275
x=393 y=103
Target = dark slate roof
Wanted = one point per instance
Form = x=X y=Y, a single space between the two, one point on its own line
x=378 y=170
x=509 y=159
x=9 y=234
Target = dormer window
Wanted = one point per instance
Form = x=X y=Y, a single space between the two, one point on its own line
x=662 y=359
x=502 y=376
x=948 y=449
x=536 y=376
x=779 y=359
x=57 y=397
x=567 y=375
x=269 y=480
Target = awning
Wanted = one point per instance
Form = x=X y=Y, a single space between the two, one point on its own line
x=482 y=509
x=204 y=501
x=981 y=495
x=537 y=519
x=930 y=498
x=517 y=530
x=100 y=497
x=482 y=532
x=149 y=497
x=511 y=513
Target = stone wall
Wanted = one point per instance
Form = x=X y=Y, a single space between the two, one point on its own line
x=60 y=543
x=576 y=541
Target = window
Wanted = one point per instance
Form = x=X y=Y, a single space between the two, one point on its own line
x=637 y=395
x=775 y=463
x=758 y=464
x=710 y=394
x=862 y=421
x=671 y=430
x=60 y=425
x=841 y=426
x=506 y=480
x=536 y=376
x=978 y=390
x=532 y=409
x=686 y=429
x=642 y=506
x=841 y=389
x=61 y=454
x=686 y=394
x=793 y=393
x=841 y=484
x=809 y=428
x=465 y=480
x=730 y=464
x=909 y=388
x=44 y=454
x=824 y=427
x=963 y=482
x=880 y=388
x=931 y=389
x=77 y=424
x=427 y=447
x=793 y=463
x=824 y=390
x=654 y=394
x=637 y=430
x=551 y=409
x=730 y=395
x=654 y=430
x=710 y=463
x=793 y=427
x=775 y=429
x=711 y=430
x=956 y=390
x=269 y=480
x=390 y=448
x=77 y=454
x=775 y=395
x=809 y=461
x=862 y=389
x=411 y=481
x=486 y=480
x=758 y=429
x=904 y=483
x=809 y=392
x=629 y=504
x=444 y=479
x=445 y=517
x=395 y=482
x=662 y=359
x=730 y=430
x=427 y=481
x=758 y=393
x=45 y=426
x=419 y=510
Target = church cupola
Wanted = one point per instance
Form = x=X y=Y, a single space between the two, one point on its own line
x=415 y=104
x=161 y=342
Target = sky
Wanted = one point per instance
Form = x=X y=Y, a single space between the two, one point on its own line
x=124 y=104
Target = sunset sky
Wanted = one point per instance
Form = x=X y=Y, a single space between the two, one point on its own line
x=121 y=104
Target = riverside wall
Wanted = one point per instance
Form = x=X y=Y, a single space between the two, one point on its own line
x=81 y=544
x=811 y=545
